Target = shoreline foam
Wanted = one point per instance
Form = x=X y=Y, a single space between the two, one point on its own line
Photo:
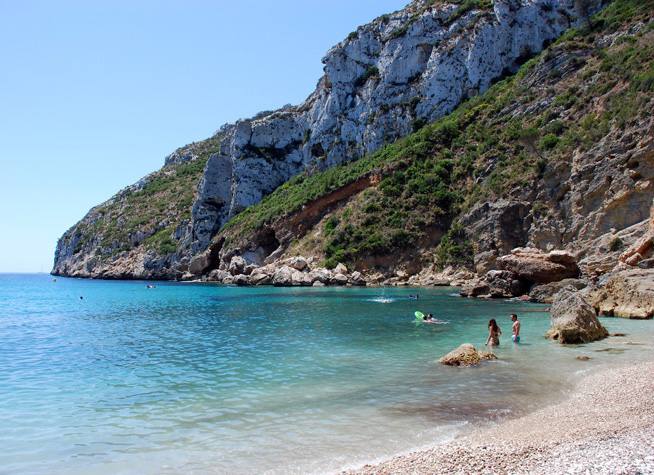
x=606 y=425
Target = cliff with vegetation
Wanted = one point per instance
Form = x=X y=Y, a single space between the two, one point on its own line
x=503 y=147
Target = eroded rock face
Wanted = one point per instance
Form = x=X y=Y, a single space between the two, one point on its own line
x=237 y=265
x=573 y=319
x=545 y=293
x=412 y=65
x=498 y=227
x=537 y=267
x=494 y=284
x=627 y=294
x=466 y=355
x=393 y=74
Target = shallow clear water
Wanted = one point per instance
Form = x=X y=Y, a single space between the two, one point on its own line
x=206 y=379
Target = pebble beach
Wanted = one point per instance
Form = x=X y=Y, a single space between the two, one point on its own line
x=605 y=426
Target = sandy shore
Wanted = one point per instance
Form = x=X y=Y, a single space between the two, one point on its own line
x=605 y=426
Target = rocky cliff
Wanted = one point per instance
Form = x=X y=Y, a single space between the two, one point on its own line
x=386 y=80
x=558 y=156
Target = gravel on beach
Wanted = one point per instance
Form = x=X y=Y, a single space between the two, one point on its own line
x=606 y=426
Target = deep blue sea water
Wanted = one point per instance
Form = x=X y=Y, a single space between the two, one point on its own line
x=190 y=378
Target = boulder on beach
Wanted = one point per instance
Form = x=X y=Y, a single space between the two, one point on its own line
x=573 y=319
x=466 y=355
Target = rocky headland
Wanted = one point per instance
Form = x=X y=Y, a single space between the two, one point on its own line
x=504 y=148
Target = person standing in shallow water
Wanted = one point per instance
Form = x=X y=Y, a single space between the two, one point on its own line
x=515 y=328
x=494 y=333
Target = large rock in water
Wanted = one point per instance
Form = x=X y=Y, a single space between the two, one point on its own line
x=537 y=267
x=573 y=319
x=627 y=294
x=466 y=355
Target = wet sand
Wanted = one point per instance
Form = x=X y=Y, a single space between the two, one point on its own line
x=605 y=426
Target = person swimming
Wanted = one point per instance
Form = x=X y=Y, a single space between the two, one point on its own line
x=494 y=333
x=515 y=328
x=429 y=318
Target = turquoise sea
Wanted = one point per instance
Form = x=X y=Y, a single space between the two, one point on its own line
x=191 y=378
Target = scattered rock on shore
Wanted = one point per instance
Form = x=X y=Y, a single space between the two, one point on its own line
x=466 y=355
x=573 y=319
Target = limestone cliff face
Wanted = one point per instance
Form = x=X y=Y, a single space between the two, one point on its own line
x=385 y=80
x=558 y=156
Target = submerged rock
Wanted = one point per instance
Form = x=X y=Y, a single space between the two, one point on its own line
x=573 y=319
x=466 y=355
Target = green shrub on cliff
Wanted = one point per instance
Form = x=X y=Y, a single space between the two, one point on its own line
x=167 y=197
x=454 y=248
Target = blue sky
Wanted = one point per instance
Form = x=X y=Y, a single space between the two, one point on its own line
x=93 y=95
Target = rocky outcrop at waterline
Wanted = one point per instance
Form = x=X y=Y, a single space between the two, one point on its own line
x=520 y=270
x=627 y=294
x=293 y=272
x=545 y=293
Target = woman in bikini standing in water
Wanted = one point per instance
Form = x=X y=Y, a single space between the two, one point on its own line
x=494 y=333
